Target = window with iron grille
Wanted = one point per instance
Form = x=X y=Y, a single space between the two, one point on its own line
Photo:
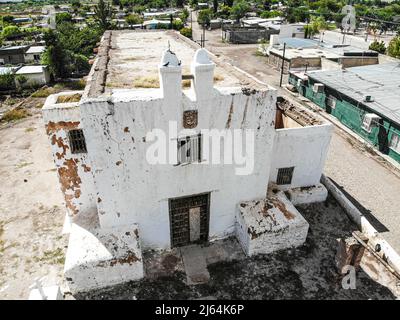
x=77 y=141
x=285 y=175
x=189 y=149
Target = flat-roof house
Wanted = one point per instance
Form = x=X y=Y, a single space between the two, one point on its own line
x=365 y=99
x=34 y=76
x=13 y=54
x=34 y=54
x=169 y=146
x=309 y=54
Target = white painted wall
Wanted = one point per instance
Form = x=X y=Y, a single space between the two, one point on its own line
x=37 y=78
x=127 y=189
x=304 y=148
x=356 y=41
x=80 y=199
x=133 y=191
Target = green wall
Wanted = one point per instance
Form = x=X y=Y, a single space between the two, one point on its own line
x=351 y=114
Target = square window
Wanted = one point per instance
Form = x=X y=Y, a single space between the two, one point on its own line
x=331 y=102
x=285 y=176
x=370 y=120
x=77 y=141
x=189 y=149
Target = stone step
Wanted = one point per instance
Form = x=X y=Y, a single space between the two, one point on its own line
x=195 y=265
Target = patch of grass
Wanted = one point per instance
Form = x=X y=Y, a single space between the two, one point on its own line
x=14 y=115
x=146 y=82
x=43 y=92
x=72 y=85
x=52 y=256
x=30 y=129
x=70 y=98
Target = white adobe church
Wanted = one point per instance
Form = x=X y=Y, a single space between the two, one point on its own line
x=120 y=204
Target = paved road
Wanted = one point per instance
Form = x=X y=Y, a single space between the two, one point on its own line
x=374 y=188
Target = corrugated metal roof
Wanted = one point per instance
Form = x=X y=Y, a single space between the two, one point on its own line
x=381 y=81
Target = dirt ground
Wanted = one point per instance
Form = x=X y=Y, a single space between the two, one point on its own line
x=304 y=273
x=31 y=210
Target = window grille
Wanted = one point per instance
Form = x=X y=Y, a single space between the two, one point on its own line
x=77 y=141
x=285 y=175
x=189 y=149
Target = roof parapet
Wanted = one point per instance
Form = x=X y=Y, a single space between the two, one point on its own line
x=170 y=72
x=203 y=74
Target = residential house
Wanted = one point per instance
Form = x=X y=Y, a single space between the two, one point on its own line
x=34 y=54
x=365 y=99
x=13 y=54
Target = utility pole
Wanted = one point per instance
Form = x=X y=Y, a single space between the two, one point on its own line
x=283 y=63
x=203 y=44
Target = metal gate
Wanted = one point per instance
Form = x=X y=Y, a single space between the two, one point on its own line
x=189 y=219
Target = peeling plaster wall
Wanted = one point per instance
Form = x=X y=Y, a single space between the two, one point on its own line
x=130 y=190
x=74 y=170
x=304 y=148
x=268 y=225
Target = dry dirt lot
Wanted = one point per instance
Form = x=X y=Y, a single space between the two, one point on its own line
x=31 y=210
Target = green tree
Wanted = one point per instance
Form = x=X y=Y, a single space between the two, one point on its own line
x=394 y=47
x=316 y=25
x=134 y=19
x=103 y=14
x=54 y=56
x=75 y=5
x=7 y=81
x=270 y=14
x=187 y=32
x=8 y=19
x=184 y=15
x=63 y=17
x=378 y=46
x=239 y=9
x=224 y=11
x=10 y=31
x=204 y=16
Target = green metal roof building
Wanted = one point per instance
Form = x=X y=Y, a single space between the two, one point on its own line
x=366 y=99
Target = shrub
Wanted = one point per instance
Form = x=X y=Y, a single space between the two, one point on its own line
x=187 y=32
x=7 y=81
x=378 y=46
x=177 y=25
